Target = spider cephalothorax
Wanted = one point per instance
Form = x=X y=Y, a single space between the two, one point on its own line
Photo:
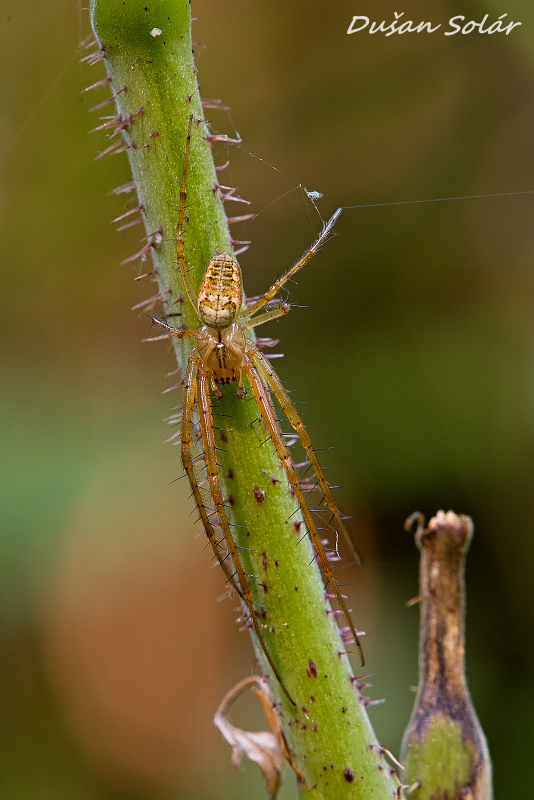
x=222 y=352
x=224 y=355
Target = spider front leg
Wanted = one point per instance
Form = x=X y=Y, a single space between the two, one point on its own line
x=267 y=412
x=187 y=437
x=290 y=411
x=205 y=418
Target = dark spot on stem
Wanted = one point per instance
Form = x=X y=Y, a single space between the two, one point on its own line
x=348 y=774
x=259 y=495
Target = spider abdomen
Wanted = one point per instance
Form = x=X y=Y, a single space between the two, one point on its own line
x=221 y=293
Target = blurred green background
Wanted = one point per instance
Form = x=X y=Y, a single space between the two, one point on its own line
x=413 y=347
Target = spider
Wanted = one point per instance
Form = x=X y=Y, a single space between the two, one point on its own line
x=224 y=355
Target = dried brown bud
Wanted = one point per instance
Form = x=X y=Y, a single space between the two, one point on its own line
x=444 y=748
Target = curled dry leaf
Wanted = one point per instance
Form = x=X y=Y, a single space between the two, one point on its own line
x=267 y=748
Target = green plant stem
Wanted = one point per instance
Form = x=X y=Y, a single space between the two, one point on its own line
x=147 y=49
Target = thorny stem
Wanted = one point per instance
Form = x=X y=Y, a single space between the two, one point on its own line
x=444 y=747
x=147 y=51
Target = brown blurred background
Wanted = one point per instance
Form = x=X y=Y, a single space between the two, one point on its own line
x=414 y=352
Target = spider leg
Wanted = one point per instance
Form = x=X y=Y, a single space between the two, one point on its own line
x=275 y=288
x=269 y=418
x=279 y=311
x=214 y=388
x=205 y=418
x=274 y=382
x=241 y=391
x=180 y=247
x=180 y=334
x=187 y=437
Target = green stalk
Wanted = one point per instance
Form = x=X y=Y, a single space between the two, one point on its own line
x=148 y=55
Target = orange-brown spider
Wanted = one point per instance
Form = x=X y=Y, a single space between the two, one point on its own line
x=224 y=355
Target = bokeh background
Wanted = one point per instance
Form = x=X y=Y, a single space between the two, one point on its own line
x=412 y=346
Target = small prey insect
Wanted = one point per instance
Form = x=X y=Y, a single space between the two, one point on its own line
x=223 y=356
